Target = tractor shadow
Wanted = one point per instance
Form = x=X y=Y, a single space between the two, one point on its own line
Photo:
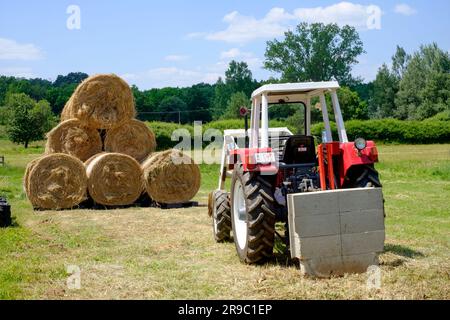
x=396 y=255
x=403 y=251
x=399 y=255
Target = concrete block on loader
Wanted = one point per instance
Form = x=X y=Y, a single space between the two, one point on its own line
x=348 y=240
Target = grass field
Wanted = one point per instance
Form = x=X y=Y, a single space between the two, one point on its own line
x=153 y=254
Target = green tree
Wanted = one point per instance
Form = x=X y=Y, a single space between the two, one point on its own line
x=352 y=107
x=42 y=113
x=172 y=109
x=425 y=87
x=237 y=100
x=71 y=78
x=239 y=78
x=315 y=52
x=385 y=87
x=400 y=61
x=28 y=121
x=222 y=94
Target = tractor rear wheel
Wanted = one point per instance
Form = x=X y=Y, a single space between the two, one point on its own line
x=219 y=210
x=252 y=216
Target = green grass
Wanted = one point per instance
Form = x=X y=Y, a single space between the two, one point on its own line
x=155 y=254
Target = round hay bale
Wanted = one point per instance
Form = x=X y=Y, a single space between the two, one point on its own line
x=72 y=137
x=56 y=181
x=133 y=138
x=114 y=179
x=171 y=177
x=102 y=102
x=26 y=177
x=88 y=161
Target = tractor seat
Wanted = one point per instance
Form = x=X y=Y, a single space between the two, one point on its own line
x=299 y=149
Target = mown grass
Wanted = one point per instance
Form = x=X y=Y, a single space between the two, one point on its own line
x=156 y=254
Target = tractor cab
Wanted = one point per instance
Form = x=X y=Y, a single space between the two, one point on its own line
x=309 y=186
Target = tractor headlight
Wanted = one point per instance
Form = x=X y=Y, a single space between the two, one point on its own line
x=360 y=144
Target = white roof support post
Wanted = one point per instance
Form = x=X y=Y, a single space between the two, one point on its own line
x=264 y=121
x=326 y=120
x=255 y=123
x=308 y=116
x=252 y=122
x=339 y=120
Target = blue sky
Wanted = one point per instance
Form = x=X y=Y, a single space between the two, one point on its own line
x=179 y=43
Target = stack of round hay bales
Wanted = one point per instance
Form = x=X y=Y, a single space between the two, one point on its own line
x=98 y=127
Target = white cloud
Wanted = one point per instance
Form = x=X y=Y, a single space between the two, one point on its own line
x=176 y=58
x=242 y=29
x=11 y=50
x=170 y=77
x=19 y=72
x=405 y=9
x=194 y=35
x=343 y=13
x=237 y=54
x=230 y=54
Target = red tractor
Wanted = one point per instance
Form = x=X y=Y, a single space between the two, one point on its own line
x=282 y=178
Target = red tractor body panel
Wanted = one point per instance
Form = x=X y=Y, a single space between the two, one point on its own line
x=246 y=156
x=353 y=157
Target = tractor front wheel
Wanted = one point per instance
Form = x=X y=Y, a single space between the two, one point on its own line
x=252 y=216
x=363 y=177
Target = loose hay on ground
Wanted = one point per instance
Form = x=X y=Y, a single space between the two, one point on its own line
x=56 y=181
x=171 y=177
x=133 y=138
x=74 y=138
x=102 y=101
x=114 y=179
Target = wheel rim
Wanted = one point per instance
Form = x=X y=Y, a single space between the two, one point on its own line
x=239 y=215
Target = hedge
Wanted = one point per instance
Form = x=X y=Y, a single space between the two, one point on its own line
x=386 y=130
x=394 y=131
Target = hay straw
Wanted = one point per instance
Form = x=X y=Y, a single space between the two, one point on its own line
x=171 y=177
x=133 y=138
x=26 y=177
x=56 y=181
x=114 y=179
x=72 y=137
x=102 y=101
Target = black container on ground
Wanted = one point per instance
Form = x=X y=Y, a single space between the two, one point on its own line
x=5 y=213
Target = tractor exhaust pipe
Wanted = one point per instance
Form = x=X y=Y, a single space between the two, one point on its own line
x=244 y=113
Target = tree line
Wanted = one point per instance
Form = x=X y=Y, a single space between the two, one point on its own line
x=413 y=86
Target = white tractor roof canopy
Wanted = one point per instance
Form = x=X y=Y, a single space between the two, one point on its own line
x=293 y=92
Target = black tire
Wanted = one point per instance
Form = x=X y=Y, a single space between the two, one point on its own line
x=260 y=216
x=219 y=210
x=363 y=177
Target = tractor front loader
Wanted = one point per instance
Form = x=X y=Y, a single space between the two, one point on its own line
x=328 y=199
